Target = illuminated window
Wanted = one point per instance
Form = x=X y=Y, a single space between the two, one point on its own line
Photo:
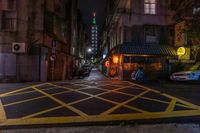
x=150 y=6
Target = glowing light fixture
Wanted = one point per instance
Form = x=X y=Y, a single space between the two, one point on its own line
x=89 y=50
x=181 y=51
x=94 y=21
x=104 y=56
x=115 y=59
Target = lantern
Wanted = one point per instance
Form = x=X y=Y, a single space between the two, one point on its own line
x=107 y=63
x=115 y=59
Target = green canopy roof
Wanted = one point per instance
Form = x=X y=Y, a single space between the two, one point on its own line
x=128 y=48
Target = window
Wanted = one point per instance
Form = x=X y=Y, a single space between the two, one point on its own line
x=8 y=20
x=149 y=6
x=150 y=34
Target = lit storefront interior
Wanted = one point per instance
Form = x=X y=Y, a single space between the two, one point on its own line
x=124 y=59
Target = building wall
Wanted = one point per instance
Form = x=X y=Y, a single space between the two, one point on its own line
x=131 y=24
x=37 y=23
x=137 y=24
x=23 y=32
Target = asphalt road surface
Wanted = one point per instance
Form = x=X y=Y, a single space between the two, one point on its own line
x=93 y=100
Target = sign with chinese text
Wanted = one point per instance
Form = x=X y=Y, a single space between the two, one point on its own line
x=180 y=36
x=183 y=53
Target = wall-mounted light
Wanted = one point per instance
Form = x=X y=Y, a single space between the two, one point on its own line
x=115 y=59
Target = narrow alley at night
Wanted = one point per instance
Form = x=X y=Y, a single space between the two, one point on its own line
x=87 y=66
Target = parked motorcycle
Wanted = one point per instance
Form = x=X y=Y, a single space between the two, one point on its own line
x=138 y=75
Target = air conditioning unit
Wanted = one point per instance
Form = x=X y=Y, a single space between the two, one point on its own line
x=18 y=47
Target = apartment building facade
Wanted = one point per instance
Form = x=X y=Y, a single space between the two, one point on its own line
x=47 y=33
x=141 y=34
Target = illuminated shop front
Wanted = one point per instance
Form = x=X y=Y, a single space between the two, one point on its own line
x=124 y=59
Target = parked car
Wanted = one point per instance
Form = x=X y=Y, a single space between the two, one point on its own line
x=193 y=74
x=86 y=70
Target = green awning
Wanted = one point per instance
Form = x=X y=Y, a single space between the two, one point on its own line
x=164 y=50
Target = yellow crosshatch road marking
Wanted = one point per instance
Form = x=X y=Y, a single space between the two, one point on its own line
x=172 y=97
x=42 y=112
x=37 y=98
x=78 y=119
x=2 y=113
x=171 y=105
x=18 y=90
x=19 y=93
x=187 y=108
x=121 y=104
x=62 y=103
x=97 y=96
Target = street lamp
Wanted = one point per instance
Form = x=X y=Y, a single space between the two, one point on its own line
x=89 y=50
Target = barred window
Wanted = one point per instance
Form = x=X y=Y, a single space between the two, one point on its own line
x=150 y=34
x=8 y=20
x=149 y=6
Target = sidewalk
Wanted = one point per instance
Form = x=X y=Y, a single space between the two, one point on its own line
x=161 y=128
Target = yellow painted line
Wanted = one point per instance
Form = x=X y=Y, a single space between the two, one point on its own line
x=183 y=102
x=121 y=104
x=146 y=98
x=172 y=97
x=42 y=112
x=151 y=99
x=2 y=113
x=92 y=96
x=117 y=117
x=32 y=99
x=63 y=92
x=135 y=109
x=78 y=101
x=20 y=93
x=62 y=103
x=120 y=83
x=106 y=100
x=147 y=88
x=117 y=103
x=97 y=96
x=102 y=85
x=75 y=84
x=37 y=98
x=113 y=90
x=23 y=101
x=171 y=106
x=68 y=88
x=18 y=90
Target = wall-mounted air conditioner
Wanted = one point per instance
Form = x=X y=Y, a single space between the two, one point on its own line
x=18 y=47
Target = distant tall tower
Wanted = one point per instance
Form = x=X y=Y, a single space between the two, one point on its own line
x=94 y=36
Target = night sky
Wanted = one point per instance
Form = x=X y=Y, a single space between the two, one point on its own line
x=87 y=8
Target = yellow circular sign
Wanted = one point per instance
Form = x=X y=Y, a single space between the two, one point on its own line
x=181 y=51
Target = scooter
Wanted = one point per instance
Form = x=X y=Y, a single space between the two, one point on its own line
x=137 y=76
